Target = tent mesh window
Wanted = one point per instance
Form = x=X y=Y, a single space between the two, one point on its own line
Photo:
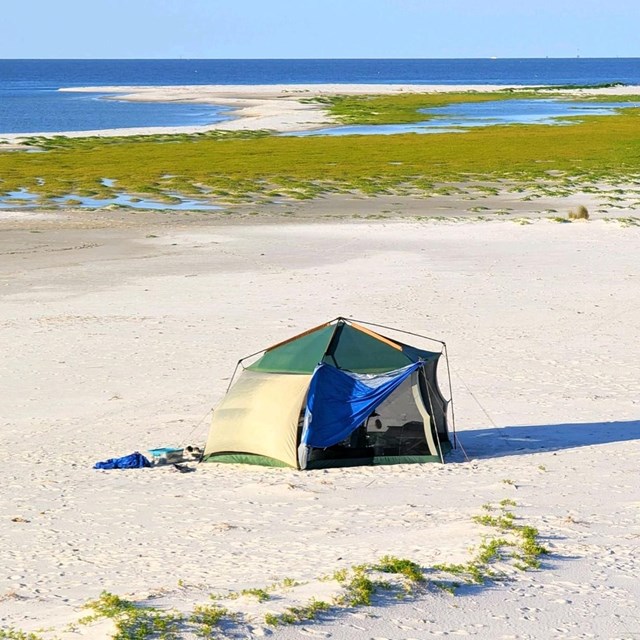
x=395 y=429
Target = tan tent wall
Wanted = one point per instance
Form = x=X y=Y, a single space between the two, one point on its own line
x=260 y=415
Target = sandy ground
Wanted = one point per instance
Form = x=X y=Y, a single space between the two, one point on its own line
x=120 y=331
x=280 y=108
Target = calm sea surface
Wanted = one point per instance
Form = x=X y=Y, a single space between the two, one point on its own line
x=30 y=100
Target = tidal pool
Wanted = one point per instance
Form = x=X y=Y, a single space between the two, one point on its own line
x=24 y=199
x=461 y=117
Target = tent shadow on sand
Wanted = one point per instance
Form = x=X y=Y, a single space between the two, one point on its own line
x=520 y=440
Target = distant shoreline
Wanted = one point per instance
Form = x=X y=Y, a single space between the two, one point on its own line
x=278 y=108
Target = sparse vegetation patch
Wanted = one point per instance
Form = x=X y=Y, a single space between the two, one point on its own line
x=516 y=546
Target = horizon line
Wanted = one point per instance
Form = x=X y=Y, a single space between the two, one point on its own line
x=492 y=58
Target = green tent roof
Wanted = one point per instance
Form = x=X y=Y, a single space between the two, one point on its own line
x=344 y=345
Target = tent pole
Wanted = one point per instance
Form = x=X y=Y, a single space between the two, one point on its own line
x=234 y=373
x=382 y=326
x=446 y=355
x=432 y=420
x=201 y=458
x=251 y=355
x=453 y=418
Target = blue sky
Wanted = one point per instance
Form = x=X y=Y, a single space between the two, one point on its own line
x=319 y=28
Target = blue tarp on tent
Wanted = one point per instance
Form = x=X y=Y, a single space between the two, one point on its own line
x=338 y=401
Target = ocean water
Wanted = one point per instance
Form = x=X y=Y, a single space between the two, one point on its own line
x=30 y=100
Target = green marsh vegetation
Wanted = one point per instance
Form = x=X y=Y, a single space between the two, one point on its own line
x=405 y=108
x=399 y=108
x=239 y=167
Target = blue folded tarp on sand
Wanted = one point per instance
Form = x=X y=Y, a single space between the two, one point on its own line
x=133 y=461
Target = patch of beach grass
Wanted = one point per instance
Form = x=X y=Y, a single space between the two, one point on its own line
x=522 y=548
x=206 y=619
x=261 y=595
x=294 y=614
x=516 y=545
x=625 y=221
x=133 y=621
x=9 y=633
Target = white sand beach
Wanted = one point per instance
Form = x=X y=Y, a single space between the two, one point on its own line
x=120 y=331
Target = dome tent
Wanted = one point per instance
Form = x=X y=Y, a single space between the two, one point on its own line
x=339 y=394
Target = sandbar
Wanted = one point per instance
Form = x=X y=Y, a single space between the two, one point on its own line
x=278 y=108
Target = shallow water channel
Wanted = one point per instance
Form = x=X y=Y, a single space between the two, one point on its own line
x=458 y=118
x=24 y=199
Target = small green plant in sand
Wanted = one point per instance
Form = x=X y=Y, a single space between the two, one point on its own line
x=502 y=521
x=527 y=548
x=9 y=633
x=261 y=595
x=339 y=576
x=272 y=619
x=491 y=550
x=289 y=583
x=291 y=615
x=133 y=621
x=522 y=548
x=361 y=588
x=206 y=618
x=407 y=568
x=361 y=584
